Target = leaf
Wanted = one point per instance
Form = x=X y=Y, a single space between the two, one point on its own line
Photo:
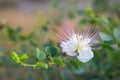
x=47 y=49
x=118 y=44
x=11 y=33
x=105 y=21
x=52 y=51
x=97 y=53
x=92 y=21
x=105 y=37
x=89 y=11
x=73 y=63
x=40 y=54
x=107 y=46
x=116 y=33
x=84 y=21
x=23 y=57
x=54 y=4
x=81 y=12
x=71 y=15
x=1 y=26
x=33 y=43
x=10 y=30
x=44 y=28
x=18 y=30
x=15 y=57
x=42 y=65
x=59 y=61
x=22 y=37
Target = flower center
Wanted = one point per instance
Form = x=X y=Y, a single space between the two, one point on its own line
x=79 y=45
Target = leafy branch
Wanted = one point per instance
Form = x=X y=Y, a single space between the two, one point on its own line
x=49 y=59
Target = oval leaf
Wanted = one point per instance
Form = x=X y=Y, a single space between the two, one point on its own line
x=15 y=57
x=107 y=46
x=40 y=54
x=73 y=63
x=59 y=61
x=42 y=65
x=105 y=37
x=116 y=33
x=23 y=57
x=52 y=50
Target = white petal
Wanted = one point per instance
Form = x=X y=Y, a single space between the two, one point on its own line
x=63 y=46
x=71 y=53
x=68 y=48
x=73 y=43
x=85 y=56
x=86 y=41
x=70 y=45
x=85 y=48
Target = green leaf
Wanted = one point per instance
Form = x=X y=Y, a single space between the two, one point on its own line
x=116 y=33
x=118 y=44
x=80 y=12
x=54 y=4
x=84 y=21
x=97 y=53
x=42 y=65
x=23 y=57
x=33 y=43
x=59 y=61
x=22 y=37
x=73 y=63
x=18 y=30
x=105 y=21
x=92 y=21
x=10 y=30
x=1 y=26
x=107 y=46
x=52 y=51
x=89 y=11
x=40 y=54
x=47 y=49
x=15 y=57
x=105 y=37
x=71 y=15
x=44 y=28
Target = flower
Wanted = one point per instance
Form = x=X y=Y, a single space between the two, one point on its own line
x=76 y=44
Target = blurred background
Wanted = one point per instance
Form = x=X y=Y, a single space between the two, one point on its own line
x=28 y=24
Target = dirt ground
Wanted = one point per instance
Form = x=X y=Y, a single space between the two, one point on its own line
x=25 y=14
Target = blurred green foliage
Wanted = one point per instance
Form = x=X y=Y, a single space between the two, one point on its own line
x=48 y=61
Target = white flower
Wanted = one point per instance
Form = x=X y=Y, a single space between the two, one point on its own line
x=78 y=44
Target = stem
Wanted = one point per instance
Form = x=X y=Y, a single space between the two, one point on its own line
x=66 y=58
x=30 y=65
x=51 y=63
x=113 y=46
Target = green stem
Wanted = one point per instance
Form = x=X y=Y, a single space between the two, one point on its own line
x=31 y=65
